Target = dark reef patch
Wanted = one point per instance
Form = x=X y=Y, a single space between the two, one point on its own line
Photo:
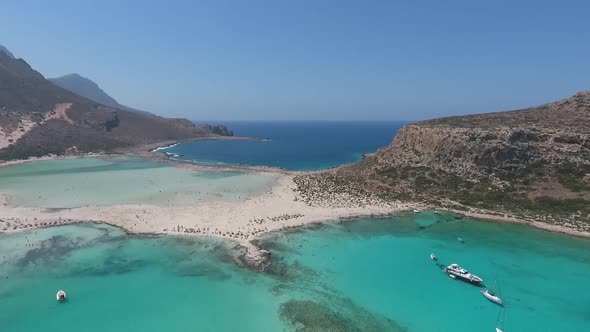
x=50 y=250
x=209 y=271
x=310 y=316
x=112 y=265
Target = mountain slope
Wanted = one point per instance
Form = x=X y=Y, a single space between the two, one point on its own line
x=38 y=117
x=86 y=88
x=5 y=50
x=532 y=163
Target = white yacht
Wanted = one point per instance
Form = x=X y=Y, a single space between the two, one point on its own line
x=456 y=272
x=491 y=296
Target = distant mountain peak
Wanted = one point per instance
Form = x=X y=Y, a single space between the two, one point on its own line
x=5 y=50
x=75 y=75
x=87 y=88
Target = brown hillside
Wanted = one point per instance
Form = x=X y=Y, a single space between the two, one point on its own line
x=533 y=163
x=38 y=118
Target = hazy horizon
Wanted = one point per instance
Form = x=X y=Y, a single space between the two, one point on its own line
x=310 y=61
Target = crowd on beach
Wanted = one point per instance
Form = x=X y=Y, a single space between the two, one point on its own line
x=283 y=217
x=15 y=223
x=242 y=233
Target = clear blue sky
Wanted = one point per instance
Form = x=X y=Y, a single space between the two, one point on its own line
x=310 y=60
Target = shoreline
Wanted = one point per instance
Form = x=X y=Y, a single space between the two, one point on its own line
x=150 y=151
x=249 y=253
x=519 y=221
x=280 y=208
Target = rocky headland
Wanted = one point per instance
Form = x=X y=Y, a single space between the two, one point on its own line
x=531 y=165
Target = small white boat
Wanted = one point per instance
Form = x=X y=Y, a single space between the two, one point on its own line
x=61 y=296
x=498 y=330
x=460 y=239
x=491 y=296
x=433 y=257
x=416 y=211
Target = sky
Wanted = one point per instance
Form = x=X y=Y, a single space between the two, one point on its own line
x=310 y=60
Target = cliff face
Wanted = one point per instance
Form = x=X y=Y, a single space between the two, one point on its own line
x=38 y=118
x=534 y=163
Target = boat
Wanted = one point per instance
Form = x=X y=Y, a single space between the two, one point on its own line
x=498 y=330
x=416 y=211
x=433 y=257
x=491 y=296
x=460 y=239
x=457 y=272
x=61 y=296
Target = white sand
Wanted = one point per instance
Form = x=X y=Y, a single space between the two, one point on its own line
x=242 y=221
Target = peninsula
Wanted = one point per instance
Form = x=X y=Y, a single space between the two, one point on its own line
x=530 y=166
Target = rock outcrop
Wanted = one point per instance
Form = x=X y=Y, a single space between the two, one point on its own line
x=254 y=257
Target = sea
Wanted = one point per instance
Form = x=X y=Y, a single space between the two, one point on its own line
x=365 y=274
x=292 y=145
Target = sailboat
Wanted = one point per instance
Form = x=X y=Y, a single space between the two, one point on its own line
x=495 y=298
x=492 y=297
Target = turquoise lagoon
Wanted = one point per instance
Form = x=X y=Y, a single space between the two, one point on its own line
x=93 y=181
x=360 y=275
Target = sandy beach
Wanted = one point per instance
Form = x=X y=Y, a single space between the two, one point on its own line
x=242 y=221
x=280 y=208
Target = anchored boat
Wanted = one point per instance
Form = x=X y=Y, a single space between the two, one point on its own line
x=492 y=297
x=456 y=272
x=61 y=296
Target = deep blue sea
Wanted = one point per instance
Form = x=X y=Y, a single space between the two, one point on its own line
x=293 y=145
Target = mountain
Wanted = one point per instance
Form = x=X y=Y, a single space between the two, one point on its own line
x=86 y=88
x=532 y=163
x=38 y=118
x=5 y=50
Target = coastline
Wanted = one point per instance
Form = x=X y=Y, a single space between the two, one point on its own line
x=151 y=151
x=515 y=220
x=244 y=222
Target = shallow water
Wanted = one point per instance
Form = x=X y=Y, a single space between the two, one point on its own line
x=367 y=274
x=93 y=181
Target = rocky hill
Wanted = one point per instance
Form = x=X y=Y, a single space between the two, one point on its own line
x=85 y=87
x=38 y=118
x=5 y=50
x=532 y=163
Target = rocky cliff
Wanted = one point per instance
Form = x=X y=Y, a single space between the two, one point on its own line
x=532 y=163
